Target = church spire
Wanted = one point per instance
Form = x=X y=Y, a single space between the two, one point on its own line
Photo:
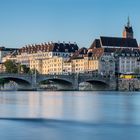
x=128 y=22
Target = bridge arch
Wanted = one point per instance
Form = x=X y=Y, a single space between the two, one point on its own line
x=60 y=83
x=57 y=80
x=93 y=84
x=102 y=82
x=20 y=80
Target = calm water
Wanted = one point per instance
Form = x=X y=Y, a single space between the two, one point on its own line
x=69 y=116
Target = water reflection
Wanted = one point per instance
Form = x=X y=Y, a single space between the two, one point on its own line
x=69 y=115
x=81 y=106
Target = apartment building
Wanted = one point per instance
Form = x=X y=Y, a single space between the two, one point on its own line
x=45 y=51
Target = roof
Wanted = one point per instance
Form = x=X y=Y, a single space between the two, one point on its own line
x=96 y=44
x=118 y=42
x=50 y=47
x=80 y=53
x=96 y=52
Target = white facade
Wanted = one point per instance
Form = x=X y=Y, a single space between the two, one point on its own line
x=128 y=64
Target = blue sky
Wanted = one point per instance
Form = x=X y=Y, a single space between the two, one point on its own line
x=25 y=22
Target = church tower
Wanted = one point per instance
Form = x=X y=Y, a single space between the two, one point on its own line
x=128 y=30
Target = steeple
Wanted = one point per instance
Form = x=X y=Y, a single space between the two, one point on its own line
x=128 y=30
x=128 y=22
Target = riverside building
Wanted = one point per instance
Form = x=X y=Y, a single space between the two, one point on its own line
x=124 y=51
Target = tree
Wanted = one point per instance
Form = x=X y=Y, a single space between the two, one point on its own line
x=11 y=66
x=24 y=69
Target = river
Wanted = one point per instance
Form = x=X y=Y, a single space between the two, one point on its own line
x=69 y=115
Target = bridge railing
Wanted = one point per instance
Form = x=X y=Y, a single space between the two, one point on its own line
x=15 y=74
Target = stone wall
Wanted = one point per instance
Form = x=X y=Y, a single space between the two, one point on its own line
x=128 y=84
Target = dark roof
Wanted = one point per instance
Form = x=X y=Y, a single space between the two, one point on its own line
x=95 y=44
x=80 y=53
x=50 y=47
x=129 y=29
x=119 y=42
x=83 y=51
x=64 y=47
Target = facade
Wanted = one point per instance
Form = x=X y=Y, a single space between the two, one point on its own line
x=78 y=65
x=67 y=67
x=127 y=61
x=53 y=65
x=85 y=64
x=107 y=65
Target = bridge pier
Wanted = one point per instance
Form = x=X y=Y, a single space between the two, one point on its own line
x=112 y=83
x=75 y=83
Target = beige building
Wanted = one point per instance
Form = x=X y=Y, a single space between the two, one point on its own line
x=67 y=67
x=85 y=64
x=52 y=66
x=60 y=65
x=36 y=64
x=78 y=65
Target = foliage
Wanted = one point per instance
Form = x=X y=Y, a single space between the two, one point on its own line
x=11 y=66
x=24 y=69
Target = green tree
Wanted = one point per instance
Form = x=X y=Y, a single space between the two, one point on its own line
x=11 y=66
x=24 y=69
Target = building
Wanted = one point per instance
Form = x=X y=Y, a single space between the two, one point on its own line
x=107 y=65
x=127 y=61
x=85 y=64
x=67 y=67
x=53 y=65
x=127 y=41
x=45 y=51
x=107 y=48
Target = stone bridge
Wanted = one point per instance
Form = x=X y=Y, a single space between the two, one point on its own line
x=71 y=80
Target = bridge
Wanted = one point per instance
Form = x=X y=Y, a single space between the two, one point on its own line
x=69 y=81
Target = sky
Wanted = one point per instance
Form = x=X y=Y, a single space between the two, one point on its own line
x=24 y=22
